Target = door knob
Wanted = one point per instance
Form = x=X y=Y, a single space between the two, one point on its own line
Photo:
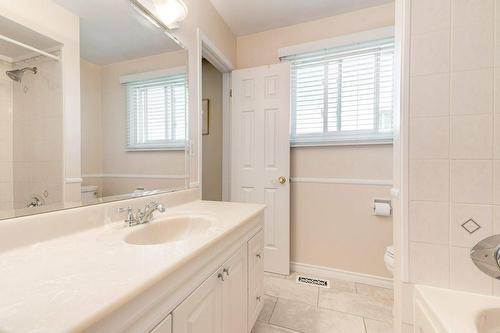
x=282 y=180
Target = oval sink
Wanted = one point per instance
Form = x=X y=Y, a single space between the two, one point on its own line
x=488 y=321
x=171 y=229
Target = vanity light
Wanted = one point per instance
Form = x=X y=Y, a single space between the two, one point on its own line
x=162 y=13
x=170 y=12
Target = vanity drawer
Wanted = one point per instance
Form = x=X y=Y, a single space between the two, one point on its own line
x=255 y=277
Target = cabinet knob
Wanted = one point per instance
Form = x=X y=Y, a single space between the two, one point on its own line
x=221 y=277
x=258 y=255
x=257 y=298
x=226 y=270
x=282 y=180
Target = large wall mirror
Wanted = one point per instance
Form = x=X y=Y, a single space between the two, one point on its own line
x=133 y=92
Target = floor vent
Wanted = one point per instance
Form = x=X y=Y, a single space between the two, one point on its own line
x=313 y=281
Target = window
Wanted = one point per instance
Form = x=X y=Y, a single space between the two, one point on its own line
x=156 y=110
x=343 y=94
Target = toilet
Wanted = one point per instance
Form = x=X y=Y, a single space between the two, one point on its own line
x=389 y=258
x=88 y=192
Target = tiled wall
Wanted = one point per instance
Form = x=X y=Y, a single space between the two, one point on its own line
x=454 y=174
x=5 y=138
x=37 y=124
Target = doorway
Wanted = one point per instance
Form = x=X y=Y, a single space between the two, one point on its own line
x=212 y=132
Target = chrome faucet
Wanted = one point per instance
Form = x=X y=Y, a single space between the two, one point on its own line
x=141 y=216
x=486 y=256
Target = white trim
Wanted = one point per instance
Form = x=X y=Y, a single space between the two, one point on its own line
x=348 y=181
x=208 y=50
x=152 y=74
x=338 y=41
x=341 y=143
x=401 y=130
x=28 y=47
x=73 y=180
x=124 y=175
x=226 y=136
x=332 y=273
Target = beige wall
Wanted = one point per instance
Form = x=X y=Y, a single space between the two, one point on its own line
x=91 y=117
x=262 y=48
x=331 y=224
x=454 y=150
x=104 y=121
x=212 y=143
x=6 y=137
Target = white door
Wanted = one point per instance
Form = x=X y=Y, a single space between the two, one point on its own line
x=260 y=153
x=201 y=312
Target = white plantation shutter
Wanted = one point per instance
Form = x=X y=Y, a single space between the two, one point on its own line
x=343 y=94
x=156 y=113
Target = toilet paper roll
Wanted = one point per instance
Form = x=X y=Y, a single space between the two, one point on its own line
x=382 y=209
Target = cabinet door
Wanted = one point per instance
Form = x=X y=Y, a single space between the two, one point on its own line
x=201 y=312
x=255 y=277
x=234 y=293
x=165 y=326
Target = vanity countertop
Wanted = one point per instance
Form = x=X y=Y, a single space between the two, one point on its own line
x=68 y=283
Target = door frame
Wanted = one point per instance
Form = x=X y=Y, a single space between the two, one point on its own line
x=209 y=51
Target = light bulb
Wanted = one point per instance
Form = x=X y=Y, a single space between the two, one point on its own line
x=170 y=12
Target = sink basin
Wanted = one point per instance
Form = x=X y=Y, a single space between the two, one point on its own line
x=488 y=321
x=171 y=229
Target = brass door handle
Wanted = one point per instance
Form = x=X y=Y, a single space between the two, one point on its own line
x=282 y=180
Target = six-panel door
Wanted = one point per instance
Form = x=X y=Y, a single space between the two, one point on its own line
x=260 y=153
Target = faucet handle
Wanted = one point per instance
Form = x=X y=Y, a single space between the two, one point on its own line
x=124 y=210
x=130 y=214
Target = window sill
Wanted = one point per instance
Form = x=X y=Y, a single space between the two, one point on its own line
x=342 y=143
x=131 y=150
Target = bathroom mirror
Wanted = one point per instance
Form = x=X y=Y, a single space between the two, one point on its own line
x=133 y=114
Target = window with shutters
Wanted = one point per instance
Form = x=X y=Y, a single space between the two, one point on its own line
x=343 y=94
x=156 y=113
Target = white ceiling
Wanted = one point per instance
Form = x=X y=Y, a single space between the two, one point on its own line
x=251 y=16
x=113 y=31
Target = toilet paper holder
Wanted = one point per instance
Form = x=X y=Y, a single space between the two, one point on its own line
x=382 y=202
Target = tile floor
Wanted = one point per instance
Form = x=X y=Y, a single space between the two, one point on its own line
x=346 y=307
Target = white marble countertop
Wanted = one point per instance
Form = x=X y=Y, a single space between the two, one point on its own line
x=67 y=283
x=455 y=311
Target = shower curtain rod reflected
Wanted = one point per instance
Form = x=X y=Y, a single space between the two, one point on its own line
x=31 y=48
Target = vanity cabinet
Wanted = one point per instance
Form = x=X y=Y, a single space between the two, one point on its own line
x=230 y=300
x=165 y=326
x=255 y=277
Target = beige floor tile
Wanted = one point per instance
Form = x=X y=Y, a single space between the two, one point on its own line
x=267 y=309
x=375 y=326
x=310 y=319
x=377 y=292
x=368 y=306
x=266 y=328
x=287 y=288
x=348 y=286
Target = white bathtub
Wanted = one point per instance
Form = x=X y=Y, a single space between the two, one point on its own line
x=449 y=311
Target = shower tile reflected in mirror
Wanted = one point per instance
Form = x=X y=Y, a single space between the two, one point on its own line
x=31 y=122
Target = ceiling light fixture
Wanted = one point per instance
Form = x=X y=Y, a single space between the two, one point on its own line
x=166 y=13
x=170 y=12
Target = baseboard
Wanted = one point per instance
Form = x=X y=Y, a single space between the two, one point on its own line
x=339 y=274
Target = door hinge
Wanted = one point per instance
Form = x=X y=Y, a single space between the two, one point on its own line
x=230 y=92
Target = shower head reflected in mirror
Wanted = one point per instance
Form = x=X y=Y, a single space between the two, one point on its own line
x=17 y=74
